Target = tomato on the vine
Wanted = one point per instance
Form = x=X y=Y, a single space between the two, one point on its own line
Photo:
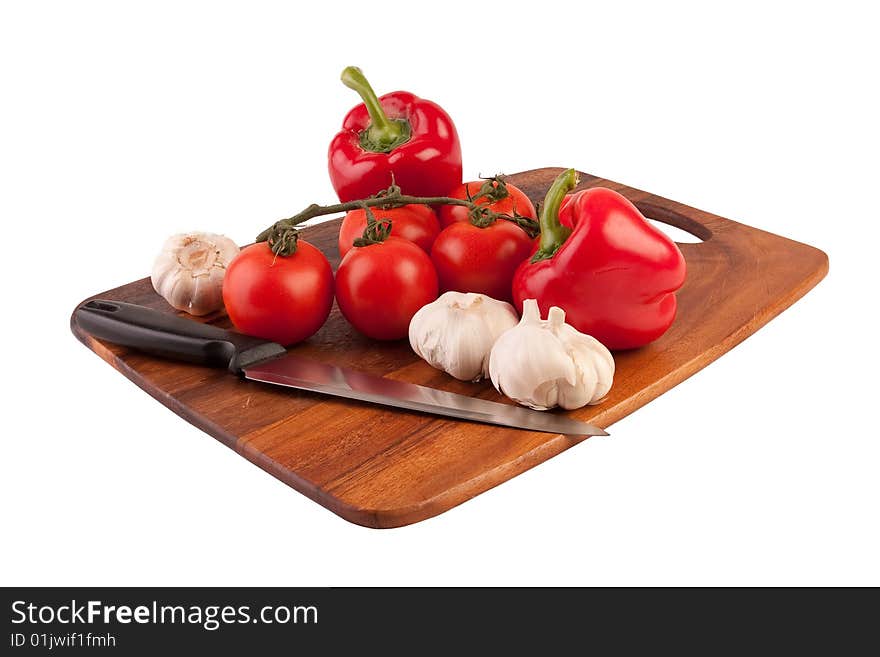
x=285 y=299
x=380 y=286
x=501 y=198
x=470 y=258
x=416 y=223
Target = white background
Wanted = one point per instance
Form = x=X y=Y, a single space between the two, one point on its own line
x=125 y=122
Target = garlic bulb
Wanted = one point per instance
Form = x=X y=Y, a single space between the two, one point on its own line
x=456 y=332
x=546 y=363
x=189 y=271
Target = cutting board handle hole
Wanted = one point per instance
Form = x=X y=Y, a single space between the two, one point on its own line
x=675 y=233
x=681 y=229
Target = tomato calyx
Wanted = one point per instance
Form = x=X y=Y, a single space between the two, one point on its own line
x=376 y=232
x=493 y=190
x=389 y=197
x=282 y=239
x=482 y=217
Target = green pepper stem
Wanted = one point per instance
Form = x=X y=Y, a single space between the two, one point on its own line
x=553 y=233
x=383 y=134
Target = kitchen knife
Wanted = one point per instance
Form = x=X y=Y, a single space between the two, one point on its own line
x=173 y=337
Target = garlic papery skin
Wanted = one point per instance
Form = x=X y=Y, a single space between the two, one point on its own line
x=456 y=332
x=189 y=271
x=546 y=363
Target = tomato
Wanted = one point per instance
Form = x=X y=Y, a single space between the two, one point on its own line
x=515 y=201
x=416 y=223
x=285 y=299
x=473 y=259
x=379 y=287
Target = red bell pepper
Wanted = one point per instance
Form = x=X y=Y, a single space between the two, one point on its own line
x=398 y=135
x=598 y=258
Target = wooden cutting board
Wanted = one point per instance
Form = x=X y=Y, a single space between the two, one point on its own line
x=380 y=467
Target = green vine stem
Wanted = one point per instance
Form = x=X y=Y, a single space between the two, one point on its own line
x=281 y=234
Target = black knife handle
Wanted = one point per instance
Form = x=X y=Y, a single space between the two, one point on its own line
x=158 y=333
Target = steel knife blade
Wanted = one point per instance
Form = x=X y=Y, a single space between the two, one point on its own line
x=259 y=360
x=305 y=374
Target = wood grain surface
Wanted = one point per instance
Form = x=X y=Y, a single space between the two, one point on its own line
x=386 y=468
